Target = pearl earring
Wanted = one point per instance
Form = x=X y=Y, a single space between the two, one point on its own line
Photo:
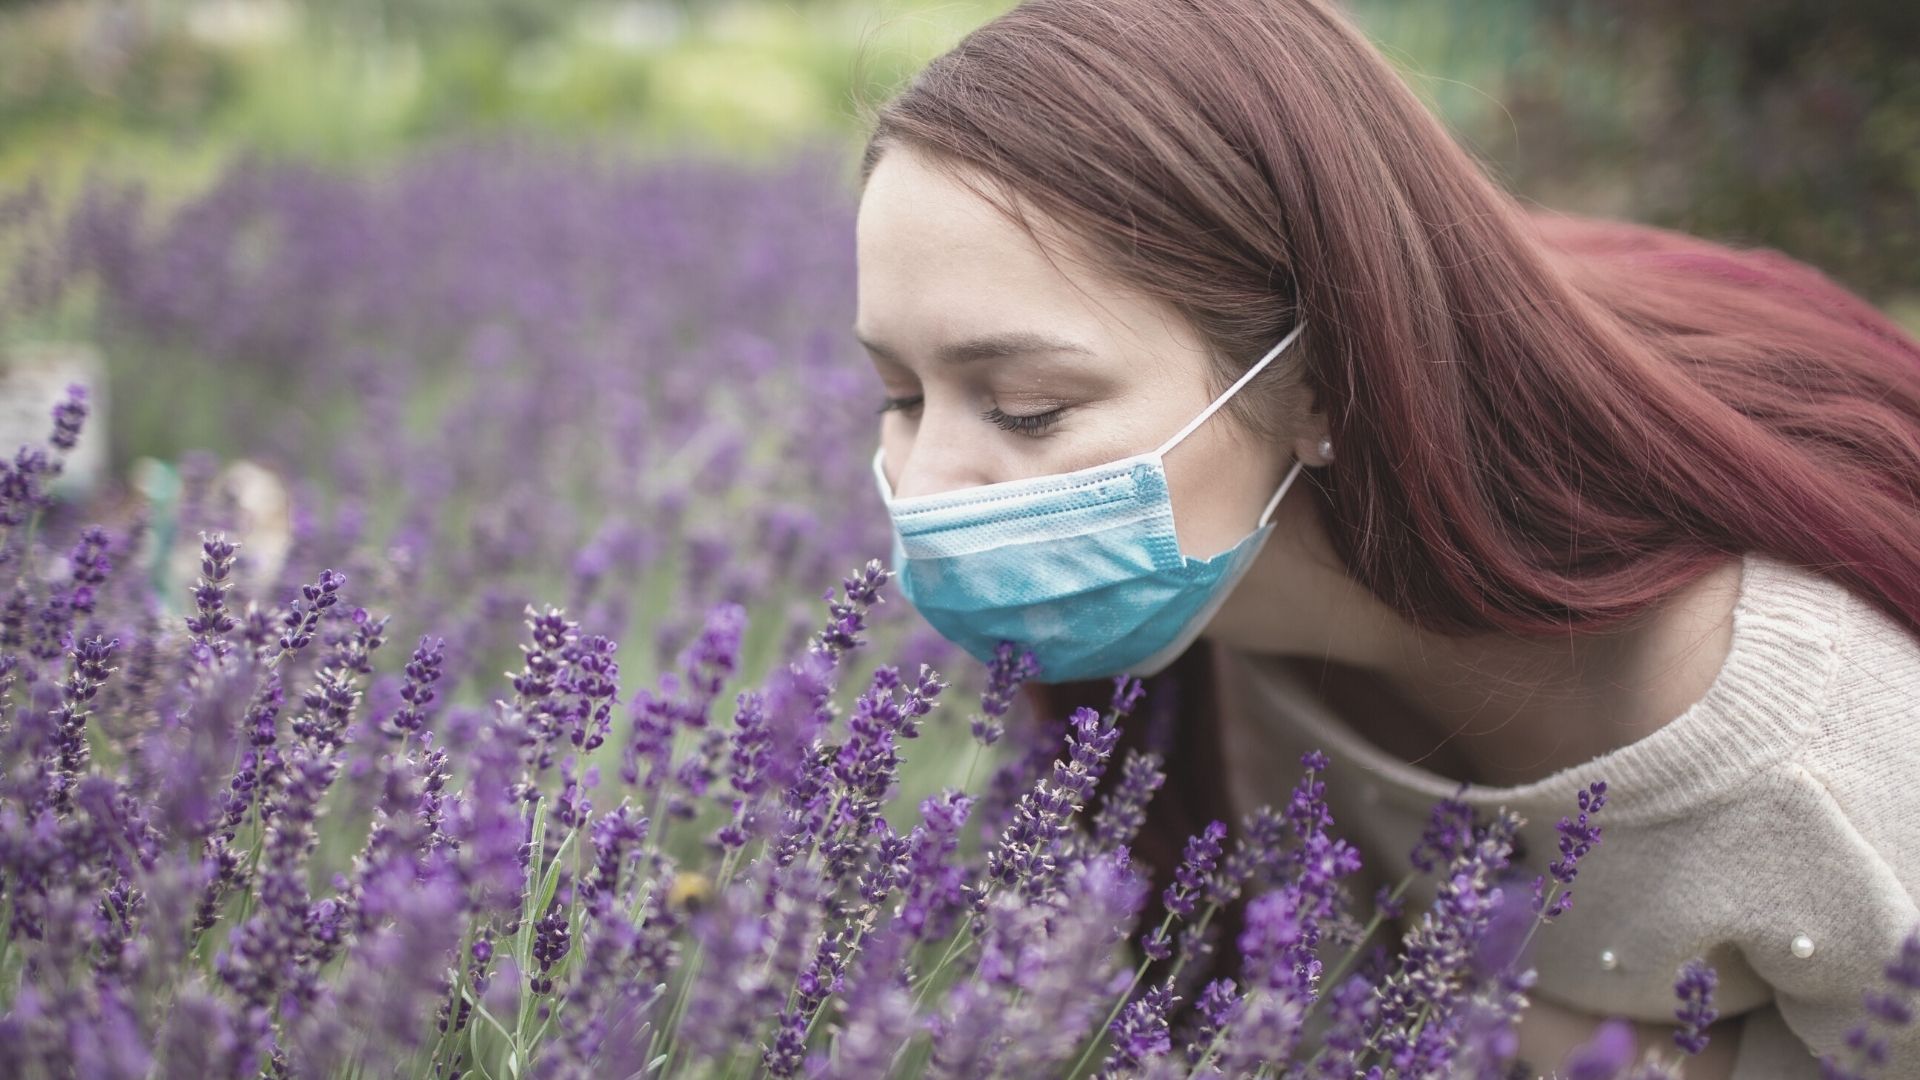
x=1325 y=448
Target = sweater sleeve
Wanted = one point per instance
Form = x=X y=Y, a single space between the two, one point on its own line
x=1837 y=857
x=1838 y=910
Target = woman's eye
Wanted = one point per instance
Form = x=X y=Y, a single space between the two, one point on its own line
x=1032 y=424
x=901 y=404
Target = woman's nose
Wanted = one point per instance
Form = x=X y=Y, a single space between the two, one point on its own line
x=932 y=461
x=920 y=473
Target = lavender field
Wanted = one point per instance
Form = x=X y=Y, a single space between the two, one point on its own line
x=565 y=723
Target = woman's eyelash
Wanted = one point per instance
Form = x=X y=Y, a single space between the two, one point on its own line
x=1032 y=424
x=1025 y=425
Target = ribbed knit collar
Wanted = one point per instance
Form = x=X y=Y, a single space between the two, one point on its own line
x=1761 y=708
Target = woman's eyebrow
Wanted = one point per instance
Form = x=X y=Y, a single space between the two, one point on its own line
x=988 y=347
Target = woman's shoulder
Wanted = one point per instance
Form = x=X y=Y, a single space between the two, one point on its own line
x=1857 y=665
x=1864 y=755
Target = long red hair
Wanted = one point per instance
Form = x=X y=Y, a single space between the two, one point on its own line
x=1545 y=422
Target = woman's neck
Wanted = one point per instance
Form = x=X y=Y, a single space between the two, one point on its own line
x=1513 y=708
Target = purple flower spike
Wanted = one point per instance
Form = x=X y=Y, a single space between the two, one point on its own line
x=1140 y=1032
x=1439 y=955
x=1604 y=1055
x=1904 y=970
x=1276 y=943
x=847 y=617
x=1219 y=1003
x=1577 y=837
x=1884 y=1010
x=1449 y=830
x=68 y=416
x=1011 y=666
x=1124 y=810
x=212 y=622
x=1202 y=855
x=1346 y=1036
x=932 y=883
x=1695 y=990
x=90 y=568
x=551 y=939
x=301 y=622
x=1024 y=855
x=423 y=670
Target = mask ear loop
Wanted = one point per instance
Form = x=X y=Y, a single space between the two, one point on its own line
x=1231 y=390
x=1284 y=485
x=1222 y=400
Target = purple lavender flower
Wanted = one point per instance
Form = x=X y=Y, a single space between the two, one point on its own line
x=1268 y=1026
x=1449 y=830
x=264 y=955
x=299 y=622
x=1024 y=858
x=861 y=591
x=1885 y=1010
x=1352 y=1015
x=1011 y=666
x=68 y=417
x=684 y=701
x=1140 y=1032
x=1485 y=1026
x=755 y=937
x=1202 y=854
x=1259 y=853
x=1216 y=1008
x=616 y=838
x=318 y=918
x=1603 y=1056
x=1036 y=747
x=1434 y=970
x=212 y=623
x=1695 y=990
x=423 y=670
x=752 y=741
x=1904 y=970
x=1577 y=837
x=551 y=938
x=90 y=670
x=879 y=1013
x=1059 y=953
x=90 y=568
x=378 y=1009
x=1124 y=810
x=931 y=883
x=866 y=765
x=601 y=993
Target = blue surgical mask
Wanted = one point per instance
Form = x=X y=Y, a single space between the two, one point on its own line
x=1083 y=567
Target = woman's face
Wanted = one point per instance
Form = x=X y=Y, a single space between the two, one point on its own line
x=999 y=365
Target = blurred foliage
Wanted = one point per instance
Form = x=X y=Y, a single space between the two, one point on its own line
x=1789 y=123
x=1785 y=123
x=156 y=87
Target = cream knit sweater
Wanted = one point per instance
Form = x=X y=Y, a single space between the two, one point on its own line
x=1783 y=805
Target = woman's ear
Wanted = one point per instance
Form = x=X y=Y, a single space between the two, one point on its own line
x=1313 y=445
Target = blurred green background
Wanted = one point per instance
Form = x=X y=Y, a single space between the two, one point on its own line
x=1791 y=123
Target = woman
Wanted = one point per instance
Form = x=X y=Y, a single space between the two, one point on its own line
x=1210 y=356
